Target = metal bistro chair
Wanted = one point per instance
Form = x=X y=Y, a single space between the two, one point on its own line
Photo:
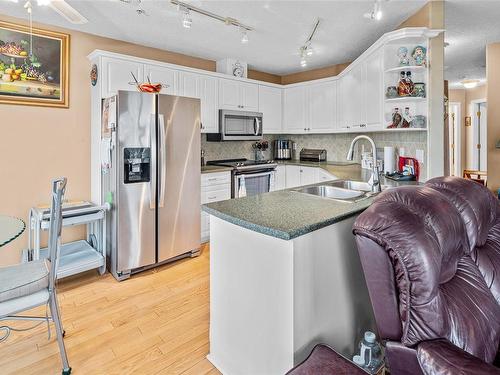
x=28 y=285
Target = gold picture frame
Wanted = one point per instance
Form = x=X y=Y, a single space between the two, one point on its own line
x=468 y=121
x=40 y=78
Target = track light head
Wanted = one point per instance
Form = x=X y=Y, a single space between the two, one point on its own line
x=244 y=36
x=187 y=21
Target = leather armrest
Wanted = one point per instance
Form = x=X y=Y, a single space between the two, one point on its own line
x=442 y=357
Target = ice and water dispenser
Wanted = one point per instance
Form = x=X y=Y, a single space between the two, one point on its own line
x=137 y=164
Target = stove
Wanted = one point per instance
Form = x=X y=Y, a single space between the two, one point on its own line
x=245 y=164
x=249 y=177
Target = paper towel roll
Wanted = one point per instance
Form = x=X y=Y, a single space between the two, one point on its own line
x=389 y=159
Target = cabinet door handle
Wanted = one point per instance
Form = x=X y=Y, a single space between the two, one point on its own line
x=213 y=197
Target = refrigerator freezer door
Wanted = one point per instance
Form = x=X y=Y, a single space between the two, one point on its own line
x=136 y=159
x=179 y=176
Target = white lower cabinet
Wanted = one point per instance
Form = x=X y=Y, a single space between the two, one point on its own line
x=298 y=175
x=280 y=178
x=292 y=176
x=214 y=187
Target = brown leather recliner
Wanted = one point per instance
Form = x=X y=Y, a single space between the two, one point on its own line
x=431 y=258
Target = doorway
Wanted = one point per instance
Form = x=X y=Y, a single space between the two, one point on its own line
x=479 y=111
x=455 y=139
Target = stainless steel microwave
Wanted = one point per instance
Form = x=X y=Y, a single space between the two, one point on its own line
x=238 y=126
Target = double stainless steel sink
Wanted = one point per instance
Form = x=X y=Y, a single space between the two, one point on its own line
x=341 y=190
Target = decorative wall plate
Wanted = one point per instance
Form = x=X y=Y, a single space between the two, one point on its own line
x=93 y=75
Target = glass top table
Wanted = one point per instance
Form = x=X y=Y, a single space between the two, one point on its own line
x=10 y=228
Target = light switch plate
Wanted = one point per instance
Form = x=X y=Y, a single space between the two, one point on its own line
x=420 y=156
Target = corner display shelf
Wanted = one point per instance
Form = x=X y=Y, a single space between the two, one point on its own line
x=420 y=74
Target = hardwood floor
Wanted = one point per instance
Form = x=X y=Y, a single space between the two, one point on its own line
x=154 y=323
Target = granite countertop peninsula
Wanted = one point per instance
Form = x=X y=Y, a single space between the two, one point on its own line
x=288 y=214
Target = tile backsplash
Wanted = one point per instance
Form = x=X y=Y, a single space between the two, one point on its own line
x=336 y=145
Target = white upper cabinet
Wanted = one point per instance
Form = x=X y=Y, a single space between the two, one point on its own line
x=234 y=94
x=188 y=85
x=322 y=107
x=270 y=104
x=249 y=96
x=374 y=90
x=294 y=110
x=165 y=76
x=207 y=89
x=117 y=75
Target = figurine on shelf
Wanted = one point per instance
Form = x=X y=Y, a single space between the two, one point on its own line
x=405 y=85
x=419 y=90
x=410 y=86
x=419 y=55
x=418 y=122
x=392 y=92
x=396 y=119
x=404 y=60
x=407 y=118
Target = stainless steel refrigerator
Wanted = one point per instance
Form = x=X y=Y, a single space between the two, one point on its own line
x=153 y=181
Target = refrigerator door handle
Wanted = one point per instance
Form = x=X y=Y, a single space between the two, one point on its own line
x=153 y=143
x=162 y=170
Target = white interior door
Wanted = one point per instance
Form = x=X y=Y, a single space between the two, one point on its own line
x=455 y=139
x=483 y=135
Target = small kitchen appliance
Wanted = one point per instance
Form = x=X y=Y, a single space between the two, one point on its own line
x=284 y=149
x=249 y=177
x=238 y=126
x=408 y=170
x=310 y=154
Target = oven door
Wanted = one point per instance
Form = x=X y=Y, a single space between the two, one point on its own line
x=252 y=183
x=240 y=125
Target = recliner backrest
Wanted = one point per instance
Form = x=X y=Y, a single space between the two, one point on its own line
x=440 y=291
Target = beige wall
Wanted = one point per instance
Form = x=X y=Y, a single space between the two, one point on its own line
x=493 y=79
x=309 y=75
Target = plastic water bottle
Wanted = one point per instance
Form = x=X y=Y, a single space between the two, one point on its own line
x=370 y=355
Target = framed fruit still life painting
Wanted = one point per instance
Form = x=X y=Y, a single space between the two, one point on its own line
x=34 y=66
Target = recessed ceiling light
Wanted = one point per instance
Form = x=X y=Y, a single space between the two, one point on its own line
x=470 y=83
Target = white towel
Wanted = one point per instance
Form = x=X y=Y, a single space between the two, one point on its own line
x=242 y=191
x=105 y=154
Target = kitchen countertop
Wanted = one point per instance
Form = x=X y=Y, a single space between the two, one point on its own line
x=288 y=214
x=214 y=168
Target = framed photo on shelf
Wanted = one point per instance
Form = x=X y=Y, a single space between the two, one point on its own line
x=34 y=66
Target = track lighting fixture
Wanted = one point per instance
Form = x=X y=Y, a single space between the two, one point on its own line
x=376 y=13
x=187 y=21
x=244 y=36
x=306 y=50
x=186 y=10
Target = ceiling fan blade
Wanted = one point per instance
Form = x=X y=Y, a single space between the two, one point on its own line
x=67 y=11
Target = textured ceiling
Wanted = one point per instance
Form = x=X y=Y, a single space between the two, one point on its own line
x=470 y=26
x=281 y=27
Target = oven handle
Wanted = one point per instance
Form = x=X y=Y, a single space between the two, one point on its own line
x=249 y=173
x=256 y=126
